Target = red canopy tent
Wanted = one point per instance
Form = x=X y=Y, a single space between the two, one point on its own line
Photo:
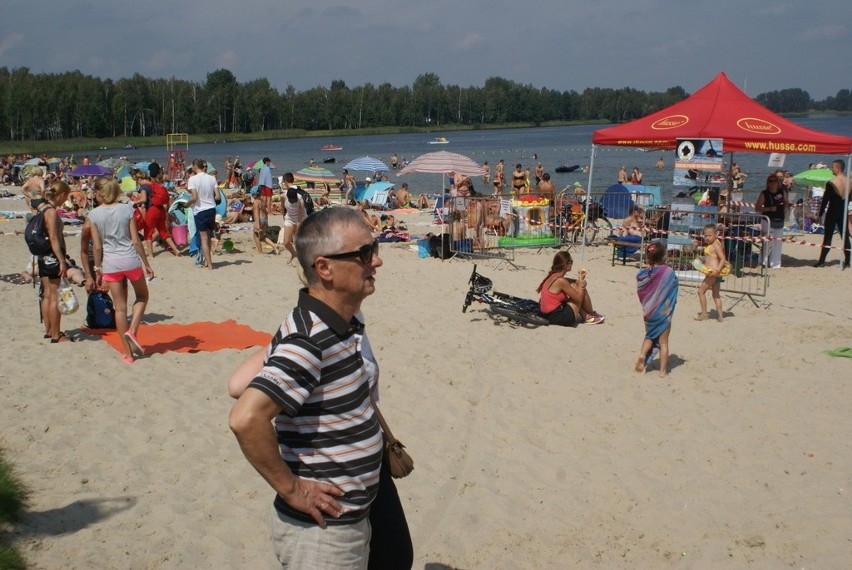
x=721 y=110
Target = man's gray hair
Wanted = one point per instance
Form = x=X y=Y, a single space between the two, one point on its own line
x=321 y=234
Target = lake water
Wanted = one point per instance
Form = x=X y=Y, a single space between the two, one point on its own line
x=554 y=146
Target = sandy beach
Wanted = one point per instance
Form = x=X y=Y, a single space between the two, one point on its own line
x=533 y=448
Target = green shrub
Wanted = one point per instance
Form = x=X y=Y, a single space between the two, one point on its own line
x=12 y=493
x=12 y=500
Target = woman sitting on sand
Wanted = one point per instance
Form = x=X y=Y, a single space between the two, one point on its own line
x=564 y=301
x=372 y=220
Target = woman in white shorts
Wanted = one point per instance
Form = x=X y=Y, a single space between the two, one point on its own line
x=294 y=212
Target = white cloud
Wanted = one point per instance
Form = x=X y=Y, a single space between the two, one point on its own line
x=10 y=41
x=827 y=31
x=469 y=40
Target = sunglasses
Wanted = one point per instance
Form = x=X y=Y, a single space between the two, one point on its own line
x=364 y=253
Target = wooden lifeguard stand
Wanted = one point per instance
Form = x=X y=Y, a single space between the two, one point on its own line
x=177 y=145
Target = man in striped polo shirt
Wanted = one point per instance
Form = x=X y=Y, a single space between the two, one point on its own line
x=306 y=422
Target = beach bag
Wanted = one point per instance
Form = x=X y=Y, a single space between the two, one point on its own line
x=35 y=234
x=100 y=313
x=398 y=461
x=308 y=201
x=68 y=303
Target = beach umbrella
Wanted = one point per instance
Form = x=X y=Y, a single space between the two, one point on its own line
x=316 y=174
x=128 y=183
x=142 y=165
x=123 y=172
x=33 y=162
x=443 y=162
x=366 y=164
x=257 y=164
x=813 y=177
x=91 y=170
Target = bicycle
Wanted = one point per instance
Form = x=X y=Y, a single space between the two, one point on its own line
x=522 y=311
x=572 y=220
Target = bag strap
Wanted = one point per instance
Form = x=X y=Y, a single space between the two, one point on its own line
x=385 y=429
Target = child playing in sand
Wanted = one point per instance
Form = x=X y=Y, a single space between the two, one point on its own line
x=657 y=288
x=714 y=265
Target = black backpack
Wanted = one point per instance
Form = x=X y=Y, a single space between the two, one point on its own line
x=35 y=234
x=100 y=313
x=308 y=201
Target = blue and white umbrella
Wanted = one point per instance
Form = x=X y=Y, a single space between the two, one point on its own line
x=367 y=164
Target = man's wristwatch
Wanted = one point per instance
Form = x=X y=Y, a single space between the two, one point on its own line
x=97 y=269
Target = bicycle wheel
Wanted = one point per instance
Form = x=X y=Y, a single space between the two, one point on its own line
x=600 y=228
x=524 y=311
x=519 y=316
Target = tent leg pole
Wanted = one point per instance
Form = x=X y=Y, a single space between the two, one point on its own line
x=588 y=201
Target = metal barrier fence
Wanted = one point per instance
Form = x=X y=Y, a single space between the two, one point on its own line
x=480 y=227
x=743 y=236
x=490 y=226
x=594 y=219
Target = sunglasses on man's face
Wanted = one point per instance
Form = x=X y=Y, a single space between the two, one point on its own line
x=364 y=253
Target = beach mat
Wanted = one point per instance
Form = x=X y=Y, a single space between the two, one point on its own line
x=204 y=336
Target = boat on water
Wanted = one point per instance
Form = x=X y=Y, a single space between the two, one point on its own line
x=327 y=147
x=562 y=169
x=329 y=160
x=439 y=140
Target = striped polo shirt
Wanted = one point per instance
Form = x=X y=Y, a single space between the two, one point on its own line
x=327 y=430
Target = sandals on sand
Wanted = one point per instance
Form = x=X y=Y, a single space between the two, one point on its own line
x=62 y=338
x=135 y=347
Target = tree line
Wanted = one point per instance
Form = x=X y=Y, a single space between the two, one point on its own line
x=72 y=105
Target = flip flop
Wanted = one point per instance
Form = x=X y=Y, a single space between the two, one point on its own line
x=842 y=351
x=135 y=347
x=62 y=338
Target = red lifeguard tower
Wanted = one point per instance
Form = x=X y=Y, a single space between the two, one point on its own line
x=177 y=145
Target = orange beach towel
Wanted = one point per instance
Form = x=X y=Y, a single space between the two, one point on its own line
x=193 y=337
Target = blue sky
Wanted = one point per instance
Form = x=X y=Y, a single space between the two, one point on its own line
x=649 y=45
